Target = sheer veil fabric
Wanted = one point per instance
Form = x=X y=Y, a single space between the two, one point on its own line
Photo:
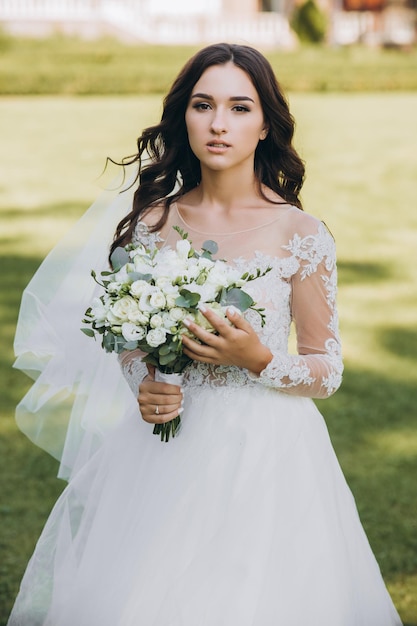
x=245 y=518
x=78 y=391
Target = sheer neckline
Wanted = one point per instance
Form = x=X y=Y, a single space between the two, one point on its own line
x=235 y=232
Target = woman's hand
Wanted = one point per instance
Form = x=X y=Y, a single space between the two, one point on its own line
x=233 y=345
x=158 y=402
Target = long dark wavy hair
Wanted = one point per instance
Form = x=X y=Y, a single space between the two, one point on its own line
x=166 y=161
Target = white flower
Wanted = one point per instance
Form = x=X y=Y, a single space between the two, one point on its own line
x=203 y=263
x=203 y=321
x=122 y=276
x=99 y=310
x=183 y=247
x=114 y=286
x=144 y=300
x=156 y=321
x=139 y=317
x=156 y=337
x=171 y=300
x=142 y=265
x=177 y=314
x=163 y=282
x=221 y=275
x=137 y=287
x=168 y=323
x=131 y=332
x=122 y=308
x=157 y=300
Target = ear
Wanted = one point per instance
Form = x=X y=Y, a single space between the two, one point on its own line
x=264 y=134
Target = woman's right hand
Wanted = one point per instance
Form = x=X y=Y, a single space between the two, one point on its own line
x=159 y=402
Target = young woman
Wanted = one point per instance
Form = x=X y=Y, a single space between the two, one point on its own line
x=244 y=518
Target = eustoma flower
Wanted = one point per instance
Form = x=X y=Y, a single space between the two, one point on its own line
x=150 y=292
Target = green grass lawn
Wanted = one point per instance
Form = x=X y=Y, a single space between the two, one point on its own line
x=361 y=180
x=65 y=65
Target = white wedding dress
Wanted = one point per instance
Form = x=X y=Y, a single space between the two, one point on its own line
x=245 y=518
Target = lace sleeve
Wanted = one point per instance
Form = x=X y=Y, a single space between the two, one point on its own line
x=133 y=368
x=316 y=371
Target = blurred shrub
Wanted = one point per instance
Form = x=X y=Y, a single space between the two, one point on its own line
x=309 y=22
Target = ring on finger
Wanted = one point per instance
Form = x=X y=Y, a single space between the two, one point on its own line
x=157 y=410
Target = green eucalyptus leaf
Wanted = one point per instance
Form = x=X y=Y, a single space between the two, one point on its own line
x=210 y=246
x=130 y=345
x=164 y=359
x=88 y=331
x=109 y=341
x=187 y=299
x=238 y=298
x=119 y=258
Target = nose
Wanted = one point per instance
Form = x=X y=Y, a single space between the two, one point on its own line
x=218 y=123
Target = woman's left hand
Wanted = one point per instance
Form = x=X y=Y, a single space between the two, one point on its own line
x=232 y=345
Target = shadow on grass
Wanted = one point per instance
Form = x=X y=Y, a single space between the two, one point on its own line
x=353 y=272
x=401 y=341
x=366 y=408
x=54 y=211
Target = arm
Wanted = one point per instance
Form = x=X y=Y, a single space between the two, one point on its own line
x=316 y=371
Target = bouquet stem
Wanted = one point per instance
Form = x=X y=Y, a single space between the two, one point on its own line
x=172 y=427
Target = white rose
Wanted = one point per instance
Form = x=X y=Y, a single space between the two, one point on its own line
x=177 y=314
x=156 y=321
x=156 y=337
x=131 y=332
x=137 y=287
x=171 y=300
x=123 y=308
x=157 y=300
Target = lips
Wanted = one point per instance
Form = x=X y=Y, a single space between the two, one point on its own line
x=218 y=144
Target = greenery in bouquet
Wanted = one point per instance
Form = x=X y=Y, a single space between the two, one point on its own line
x=150 y=291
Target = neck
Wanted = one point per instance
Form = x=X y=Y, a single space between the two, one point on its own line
x=225 y=191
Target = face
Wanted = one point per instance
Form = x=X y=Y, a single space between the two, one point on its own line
x=224 y=118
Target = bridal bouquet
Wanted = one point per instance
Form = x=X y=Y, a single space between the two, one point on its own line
x=150 y=292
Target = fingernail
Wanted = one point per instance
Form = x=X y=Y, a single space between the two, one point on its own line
x=186 y=322
x=180 y=410
x=233 y=310
x=201 y=307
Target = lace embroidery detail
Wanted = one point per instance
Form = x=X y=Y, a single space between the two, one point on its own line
x=312 y=250
x=318 y=375
x=142 y=234
x=134 y=370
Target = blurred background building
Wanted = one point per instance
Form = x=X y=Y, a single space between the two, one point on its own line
x=265 y=23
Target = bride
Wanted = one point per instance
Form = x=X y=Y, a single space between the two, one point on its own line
x=245 y=518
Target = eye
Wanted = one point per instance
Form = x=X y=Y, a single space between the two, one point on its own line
x=240 y=108
x=201 y=106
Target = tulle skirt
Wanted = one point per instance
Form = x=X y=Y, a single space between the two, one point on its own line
x=244 y=519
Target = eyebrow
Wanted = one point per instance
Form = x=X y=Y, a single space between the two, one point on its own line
x=206 y=96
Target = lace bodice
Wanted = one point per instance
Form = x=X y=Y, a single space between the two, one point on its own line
x=300 y=288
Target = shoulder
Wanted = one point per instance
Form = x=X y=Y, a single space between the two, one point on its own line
x=309 y=240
